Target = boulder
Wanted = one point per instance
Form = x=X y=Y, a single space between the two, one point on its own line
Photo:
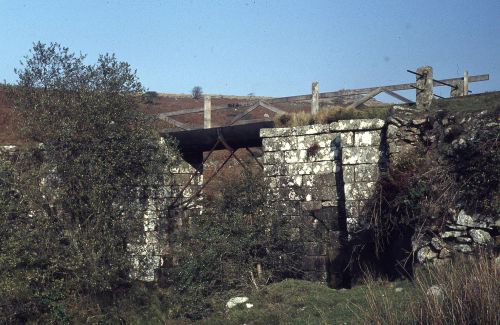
x=463 y=248
x=464 y=239
x=233 y=302
x=444 y=253
x=437 y=243
x=426 y=254
x=480 y=237
x=452 y=234
x=419 y=121
x=464 y=219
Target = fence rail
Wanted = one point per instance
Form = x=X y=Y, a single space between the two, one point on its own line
x=459 y=87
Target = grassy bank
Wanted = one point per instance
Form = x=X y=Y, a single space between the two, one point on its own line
x=303 y=302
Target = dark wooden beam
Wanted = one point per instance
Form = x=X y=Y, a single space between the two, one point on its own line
x=272 y=108
x=398 y=96
x=243 y=114
x=366 y=98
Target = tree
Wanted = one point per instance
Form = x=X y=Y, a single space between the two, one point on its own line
x=150 y=97
x=197 y=92
x=86 y=185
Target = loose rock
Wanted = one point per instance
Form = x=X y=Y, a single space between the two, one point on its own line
x=464 y=219
x=480 y=237
x=436 y=292
x=233 y=302
x=437 y=243
x=426 y=254
x=463 y=248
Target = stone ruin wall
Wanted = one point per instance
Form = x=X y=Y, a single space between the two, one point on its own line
x=168 y=210
x=464 y=232
x=321 y=175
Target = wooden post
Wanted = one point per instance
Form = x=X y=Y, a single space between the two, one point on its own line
x=207 y=112
x=315 y=98
x=259 y=271
x=466 y=83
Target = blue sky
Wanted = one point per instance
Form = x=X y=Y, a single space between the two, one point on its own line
x=266 y=47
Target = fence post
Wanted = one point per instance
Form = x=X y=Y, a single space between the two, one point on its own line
x=458 y=91
x=315 y=98
x=466 y=83
x=425 y=86
x=207 y=112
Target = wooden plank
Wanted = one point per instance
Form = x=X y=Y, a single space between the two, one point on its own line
x=290 y=99
x=257 y=120
x=366 y=98
x=175 y=122
x=271 y=108
x=201 y=109
x=243 y=114
x=398 y=96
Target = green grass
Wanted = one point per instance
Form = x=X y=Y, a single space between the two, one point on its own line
x=303 y=302
x=478 y=102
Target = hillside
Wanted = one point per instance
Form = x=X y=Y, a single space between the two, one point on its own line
x=154 y=103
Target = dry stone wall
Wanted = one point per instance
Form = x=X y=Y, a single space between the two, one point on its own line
x=446 y=137
x=321 y=175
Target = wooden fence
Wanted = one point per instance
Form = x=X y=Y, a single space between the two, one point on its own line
x=423 y=86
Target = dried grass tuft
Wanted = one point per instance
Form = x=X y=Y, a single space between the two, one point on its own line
x=465 y=291
x=330 y=115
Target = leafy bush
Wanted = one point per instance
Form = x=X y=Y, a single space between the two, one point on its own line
x=85 y=187
x=221 y=249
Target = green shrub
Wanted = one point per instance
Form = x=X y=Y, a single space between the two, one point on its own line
x=85 y=186
x=221 y=249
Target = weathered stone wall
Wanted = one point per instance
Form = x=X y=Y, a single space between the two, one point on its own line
x=444 y=136
x=321 y=175
x=167 y=211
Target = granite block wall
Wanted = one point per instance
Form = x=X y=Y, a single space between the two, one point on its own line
x=321 y=175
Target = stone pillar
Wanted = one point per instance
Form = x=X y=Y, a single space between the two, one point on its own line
x=321 y=176
x=315 y=98
x=425 y=86
x=207 y=112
